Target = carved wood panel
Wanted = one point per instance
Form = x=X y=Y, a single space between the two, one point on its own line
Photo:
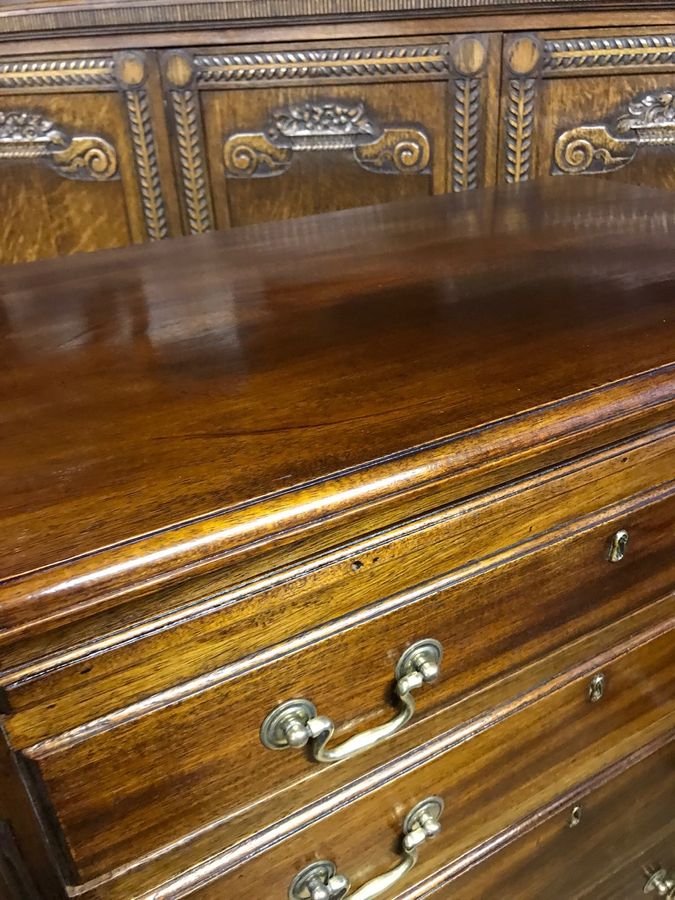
x=79 y=158
x=284 y=132
x=589 y=104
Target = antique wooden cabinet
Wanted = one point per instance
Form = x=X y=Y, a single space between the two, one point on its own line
x=126 y=122
x=337 y=556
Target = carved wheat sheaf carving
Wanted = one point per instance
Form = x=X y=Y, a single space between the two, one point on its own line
x=32 y=74
x=191 y=158
x=326 y=125
x=465 y=134
x=519 y=121
x=602 y=52
x=145 y=156
x=308 y=64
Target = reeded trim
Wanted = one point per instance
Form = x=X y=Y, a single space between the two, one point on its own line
x=126 y=15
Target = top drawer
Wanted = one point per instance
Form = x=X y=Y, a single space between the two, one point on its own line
x=189 y=755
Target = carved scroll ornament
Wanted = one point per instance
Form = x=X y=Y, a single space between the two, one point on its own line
x=328 y=125
x=27 y=135
x=591 y=149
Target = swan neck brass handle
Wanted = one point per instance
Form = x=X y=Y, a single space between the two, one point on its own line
x=661 y=883
x=320 y=880
x=295 y=723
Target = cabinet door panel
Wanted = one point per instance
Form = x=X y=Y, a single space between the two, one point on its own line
x=50 y=208
x=282 y=132
x=409 y=161
x=79 y=158
x=592 y=105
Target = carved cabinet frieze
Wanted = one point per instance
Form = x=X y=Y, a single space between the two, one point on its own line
x=327 y=119
x=591 y=148
x=323 y=126
x=29 y=135
x=587 y=104
x=188 y=140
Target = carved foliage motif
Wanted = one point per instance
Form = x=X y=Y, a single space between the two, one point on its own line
x=327 y=125
x=465 y=134
x=28 y=135
x=145 y=155
x=596 y=148
x=519 y=121
x=294 y=65
x=605 y=52
x=651 y=117
x=191 y=161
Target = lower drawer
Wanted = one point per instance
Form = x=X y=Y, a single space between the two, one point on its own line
x=605 y=844
x=192 y=758
x=550 y=741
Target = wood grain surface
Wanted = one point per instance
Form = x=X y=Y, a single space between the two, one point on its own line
x=499 y=776
x=220 y=380
x=597 y=841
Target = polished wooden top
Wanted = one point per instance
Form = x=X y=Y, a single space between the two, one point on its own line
x=146 y=387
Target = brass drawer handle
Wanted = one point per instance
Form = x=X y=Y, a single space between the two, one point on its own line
x=661 y=882
x=320 y=881
x=295 y=722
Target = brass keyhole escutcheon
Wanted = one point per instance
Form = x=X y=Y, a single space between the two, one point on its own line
x=617 y=548
x=575 y=816
x=596 y=688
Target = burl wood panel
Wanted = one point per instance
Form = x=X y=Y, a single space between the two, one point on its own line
x=599 y=844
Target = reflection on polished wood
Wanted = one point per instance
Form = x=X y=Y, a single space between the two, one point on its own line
x=379 y=305
x=410 y=467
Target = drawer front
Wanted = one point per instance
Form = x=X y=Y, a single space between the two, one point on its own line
x=589 y=103
x=282 y=132
x=64 y=690
x=496 y=778
x=178 y=763
x=80 y=161
x=597 y=845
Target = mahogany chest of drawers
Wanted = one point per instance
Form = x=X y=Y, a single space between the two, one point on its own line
x=338 y=557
